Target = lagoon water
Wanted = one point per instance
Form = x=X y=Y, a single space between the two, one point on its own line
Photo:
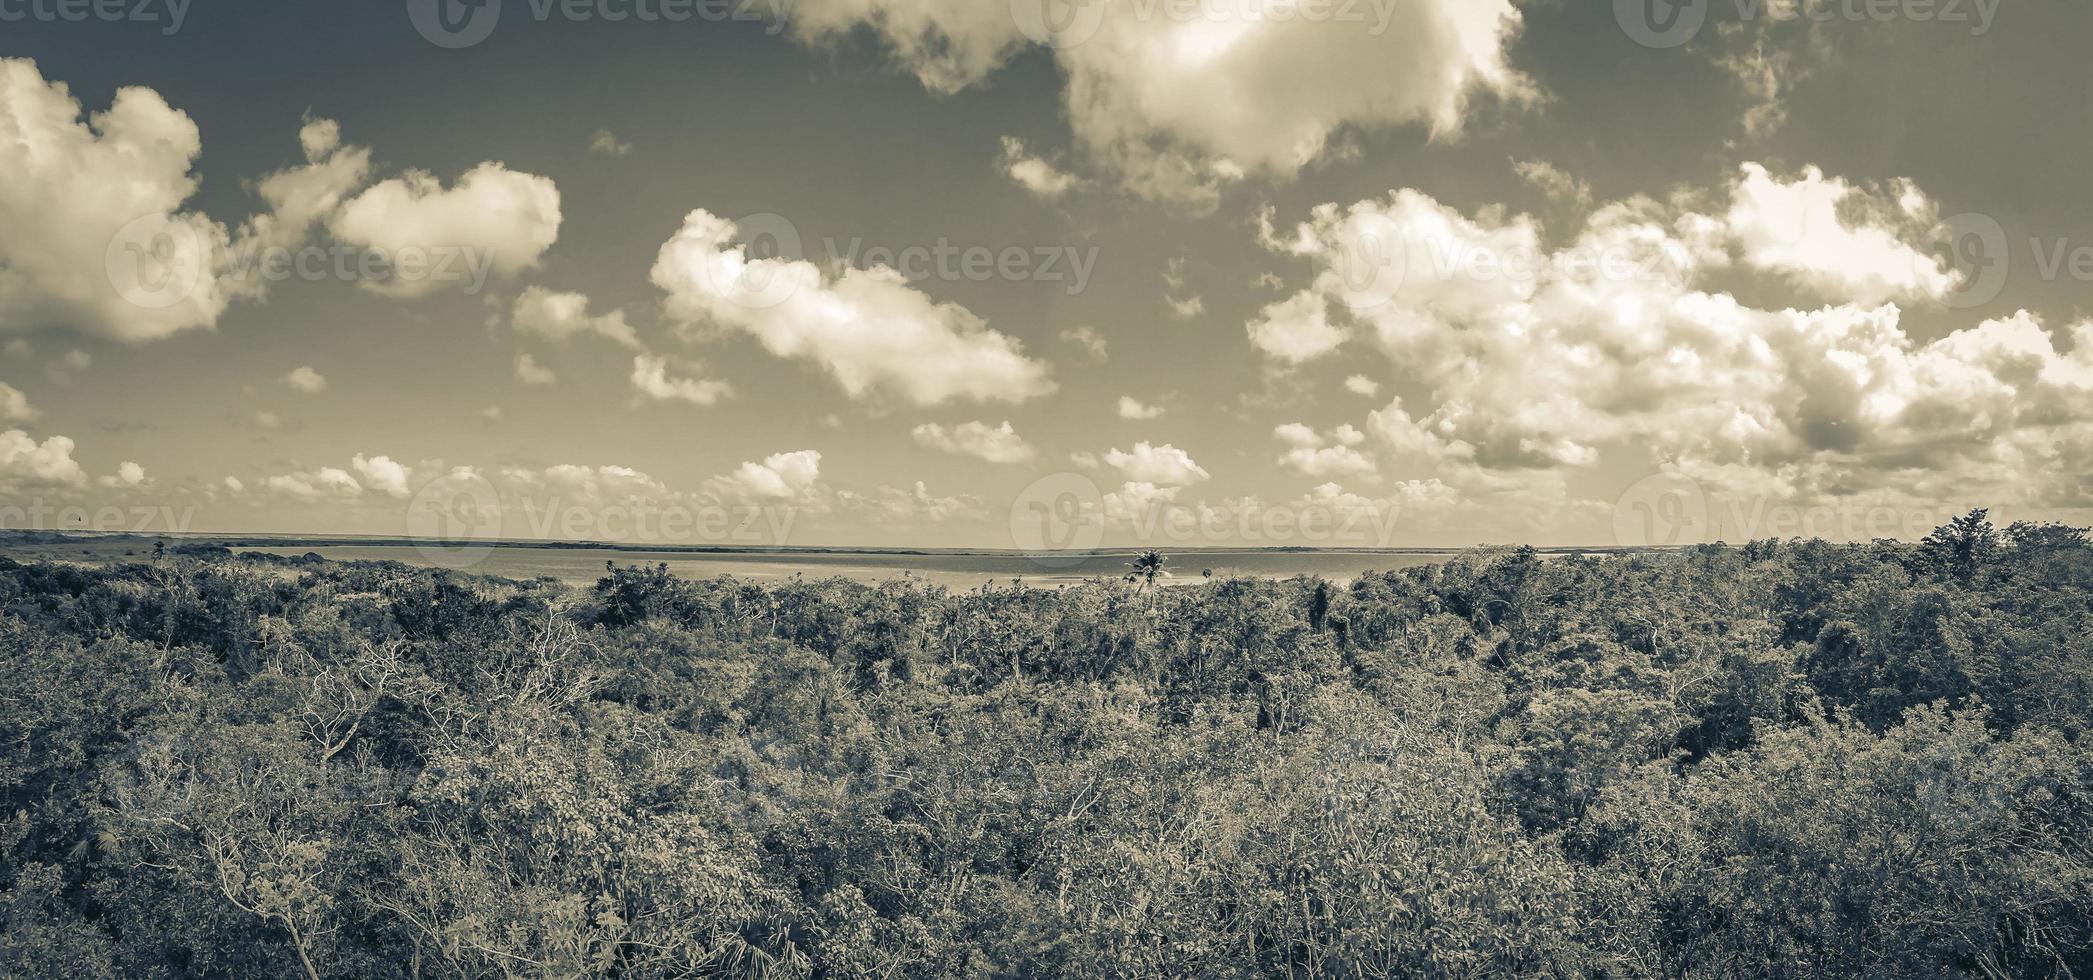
x=583 y=566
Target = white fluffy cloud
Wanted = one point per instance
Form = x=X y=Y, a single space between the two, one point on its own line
x=553 y=489
x=24 y=462
x=914 y=507
x=868 y=328
x=14 y=406
x=793 y=477
x=379 y=475
x=302 y=197
x=1034 y=173
x=1296 y=330
x=493 y=218
x=317 y=484
x=1838 y=241
x=382 y=475
x=1133 y=408
x=304 y=378
x=1091 y=342
x=530 y=372
x=1334 y=455
x=996 y=444
x=128 y=476
x=1164 y=465
x=650 y=377
x=1177 y=99
x=1534 y=360
x=92 y=235
x=557 y=316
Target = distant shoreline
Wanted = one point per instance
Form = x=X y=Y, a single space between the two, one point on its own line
x=288 y=541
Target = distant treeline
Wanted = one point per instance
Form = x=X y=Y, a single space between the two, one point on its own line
x=1787 y=759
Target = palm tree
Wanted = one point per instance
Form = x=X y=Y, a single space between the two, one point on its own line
x=1148 y=566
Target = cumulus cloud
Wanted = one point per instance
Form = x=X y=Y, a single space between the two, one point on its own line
x=530 y=372
x=128 y=475
x=607 y=143
x=1176 y=101
x=1183 y=305
x=572 y=485
x=327 y=482
x=650 y=377
x=366 y=477
x=1034 y=173
x=1837 y=240
x=868 y=328
x=1164 y=465
x=382 y=475
x=1132 y=408
x=915 y=506
x=1532 y=361
x=996 y=444
x=1360 y=384
x=555 y=316
x=493 y=219
x=304 y=378
x=24 y=462
x=1559 y=187
x=793 y=477
x=1296 y=330
x=1089 y=340
x=1334 y=455
x=92 y=235
x=14 y=406
x=301 y=198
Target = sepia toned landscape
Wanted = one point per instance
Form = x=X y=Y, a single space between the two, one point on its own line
x=1118 y=489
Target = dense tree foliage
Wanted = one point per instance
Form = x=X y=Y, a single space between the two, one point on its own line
x=1789 y=759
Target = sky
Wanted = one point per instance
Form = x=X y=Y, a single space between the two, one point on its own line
x=966 y=274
